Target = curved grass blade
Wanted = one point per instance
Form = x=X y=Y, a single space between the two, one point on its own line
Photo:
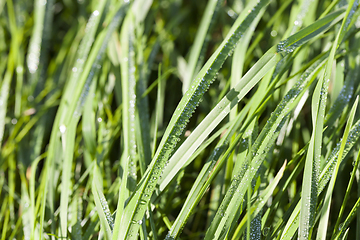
x=313 y=158
x=92 y=65
x=137 y=205
x=69 y=129
x=244 y=85
x=102 y=207
x=199 y=45
x=348 y=190
x=239 y=56
x=68 y=142
x=69 y=102
x=344 y=226
x=11 y=61
x=128 y=82
x=37 y=51
x=203 y=130
x=83 y=53
x=354 y=135
x=306 y=34
x=261 y=147
x=259 y=203
x=128 y=99
x=325 y=211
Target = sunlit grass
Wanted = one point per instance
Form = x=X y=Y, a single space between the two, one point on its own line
x=179 y=119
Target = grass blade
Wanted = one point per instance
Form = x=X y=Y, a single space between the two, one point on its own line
x=137 y=206
x=325 y=211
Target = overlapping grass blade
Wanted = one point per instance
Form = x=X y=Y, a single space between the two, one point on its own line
x=200 y=41
x=89 y=109
x=312 y=163
x=72 y=103
x=37 y=52
x=101 y=204
x=203 y=130
x=260 y=148
x=128 y=84
x=353 y=173
x=260 y=203
x=128 y=93
x=325 y=211
x=344 y=226
x=321 y=25
x=137 y=205
x=11 y=61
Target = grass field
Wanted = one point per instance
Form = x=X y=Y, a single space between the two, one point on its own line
x=179 y=119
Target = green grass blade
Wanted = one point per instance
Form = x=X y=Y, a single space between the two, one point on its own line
x=129 y=96
x=344 y=226
x=101 y=204
x=143 y=139
x=325 y=211
x=209 y=16
x=68 y=141
x=137 y=206
x=35 y=47
x=128 y=154
x=262 y=145
x=348 y=190
x=260 y=202
x=250 y=79
x=128 y=93
x=304 y=35
x=312 y=163
x=11 y=61
x=325 y=176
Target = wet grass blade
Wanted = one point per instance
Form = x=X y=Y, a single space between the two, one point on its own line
x=321 y=25
x=200 y=41
x=259 y=204
x=101 y=204
x=313 y=158
x=129 y=154
x=325 y=211
x=347 y=193
x=137 y=205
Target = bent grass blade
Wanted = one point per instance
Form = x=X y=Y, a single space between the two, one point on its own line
x=313 y=158
x=138 y=203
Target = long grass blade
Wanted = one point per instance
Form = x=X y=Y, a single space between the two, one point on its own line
x=137 y=206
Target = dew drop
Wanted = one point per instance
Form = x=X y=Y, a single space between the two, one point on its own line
x=62 y=128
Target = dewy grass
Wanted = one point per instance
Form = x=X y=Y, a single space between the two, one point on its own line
x=143 y=119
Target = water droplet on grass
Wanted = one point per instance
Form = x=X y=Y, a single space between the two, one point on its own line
x=62 y=128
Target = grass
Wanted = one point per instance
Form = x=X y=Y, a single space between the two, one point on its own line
x=180 y=119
